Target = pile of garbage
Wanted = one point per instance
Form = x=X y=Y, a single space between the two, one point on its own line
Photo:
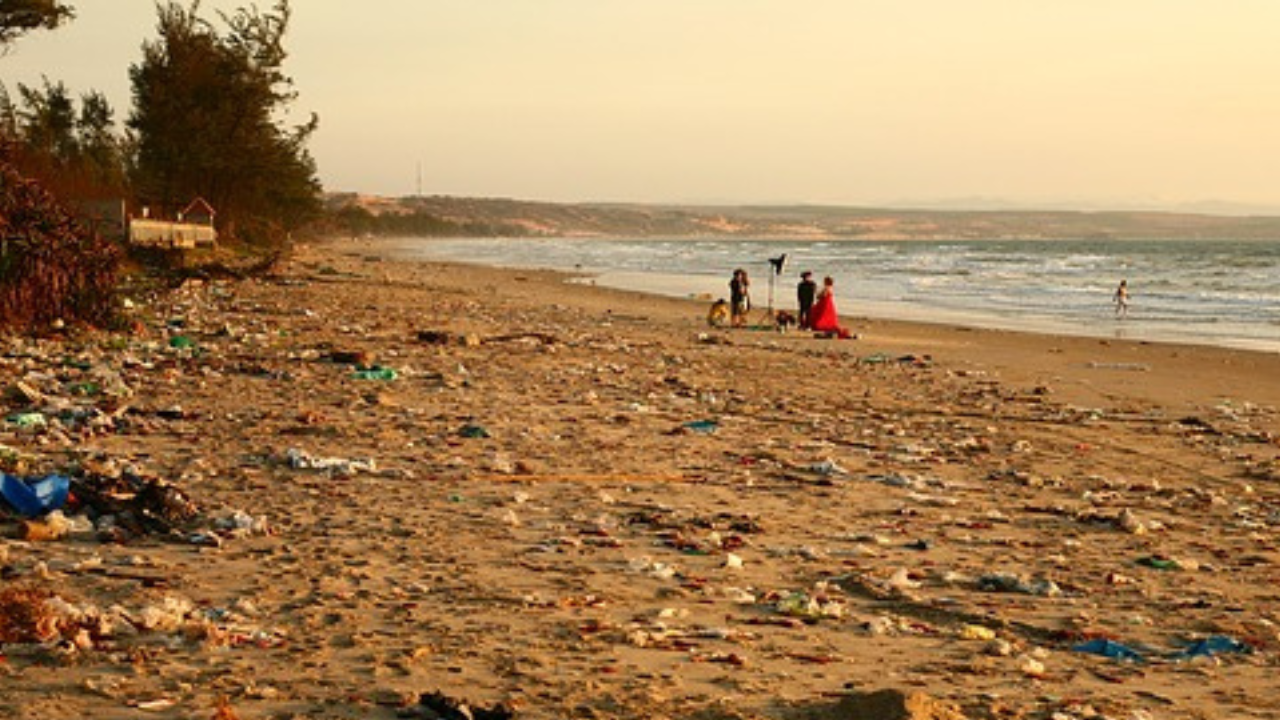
x=35 y=615
x=115 y=508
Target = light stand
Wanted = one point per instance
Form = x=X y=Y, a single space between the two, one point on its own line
x=777 y=264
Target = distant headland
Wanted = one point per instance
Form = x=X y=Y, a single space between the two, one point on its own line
x=436 y=215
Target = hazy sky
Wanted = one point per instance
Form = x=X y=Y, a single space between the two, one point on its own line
x=1085 y=102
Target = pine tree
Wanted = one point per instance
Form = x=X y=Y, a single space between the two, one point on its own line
x=204 y=123
x=18 y=17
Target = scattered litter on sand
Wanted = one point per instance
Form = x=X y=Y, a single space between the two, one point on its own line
x=366 y=488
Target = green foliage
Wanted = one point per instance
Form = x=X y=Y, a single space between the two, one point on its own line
x=52 y=268
x=48 y=121
x=354 y=220
x=18 y=17
x=100 y=152
x=8 y=115
x=421 y=224
x=73 y=149
x=204 y=123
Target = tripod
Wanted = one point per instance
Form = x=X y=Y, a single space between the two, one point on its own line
x=776 y=265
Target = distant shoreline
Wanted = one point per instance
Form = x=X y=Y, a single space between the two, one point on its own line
x=442 y=216
x=1162 y=366
x=705 y=287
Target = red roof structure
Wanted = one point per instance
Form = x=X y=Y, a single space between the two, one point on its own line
x=198 y=211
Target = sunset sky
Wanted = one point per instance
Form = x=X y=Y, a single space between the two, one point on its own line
x=1088 y=103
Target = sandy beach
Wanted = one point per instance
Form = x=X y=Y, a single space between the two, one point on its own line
x=552 y=500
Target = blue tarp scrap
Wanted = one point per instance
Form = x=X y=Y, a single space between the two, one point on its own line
x=1111 y=649
x=704 y=427
x=35 y=497
x=1205 y=647
x=1212 y=645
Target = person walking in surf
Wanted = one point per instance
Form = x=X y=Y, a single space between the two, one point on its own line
x=1121 y=299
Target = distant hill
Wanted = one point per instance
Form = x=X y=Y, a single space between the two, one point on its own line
x=444 y=215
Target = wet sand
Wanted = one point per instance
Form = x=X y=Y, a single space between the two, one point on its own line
x=586 y=503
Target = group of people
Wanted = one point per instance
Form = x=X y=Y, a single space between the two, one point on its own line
x=816 y=306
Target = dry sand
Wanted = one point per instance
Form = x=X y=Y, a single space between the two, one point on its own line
x=586 y=504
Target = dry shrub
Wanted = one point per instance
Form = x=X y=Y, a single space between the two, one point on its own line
x=51 y=266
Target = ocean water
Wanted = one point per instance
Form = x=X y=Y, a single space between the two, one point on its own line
x=1224 y=293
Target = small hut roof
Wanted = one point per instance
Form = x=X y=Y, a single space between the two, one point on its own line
x=199 y=206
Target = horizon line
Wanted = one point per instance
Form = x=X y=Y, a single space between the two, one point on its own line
x=1207 y=208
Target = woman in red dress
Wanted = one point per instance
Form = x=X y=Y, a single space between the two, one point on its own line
x=823 y=318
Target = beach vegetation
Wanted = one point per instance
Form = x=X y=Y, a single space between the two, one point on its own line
x=70 y=145
x=19 y=17
x=345 y=217
x=357 y=215
x=209 y=120
x=54 y=269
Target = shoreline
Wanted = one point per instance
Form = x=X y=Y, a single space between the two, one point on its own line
x=1085 y=368
x=1121 y=329
x=1234 y=371
x=705 y=287
x=583 y=502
